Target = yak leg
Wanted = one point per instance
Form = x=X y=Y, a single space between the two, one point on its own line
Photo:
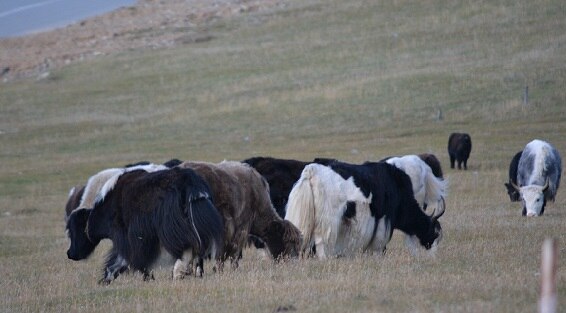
x=234 y=263
x=452 y=160
x=115 y=265
x=320 y=248
x=147 y=275
x=382 y=235
x=199 y=271
x=183 y=266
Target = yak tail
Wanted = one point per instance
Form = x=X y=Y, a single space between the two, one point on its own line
x=301 y=208
x=436 y=190
x=206 y=223
x=189 y=221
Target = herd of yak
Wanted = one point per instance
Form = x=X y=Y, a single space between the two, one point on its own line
x=195 y=211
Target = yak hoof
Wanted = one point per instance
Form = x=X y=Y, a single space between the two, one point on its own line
x=104 y=281
x=148 y=276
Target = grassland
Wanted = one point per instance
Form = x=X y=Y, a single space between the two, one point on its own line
x=354 y=80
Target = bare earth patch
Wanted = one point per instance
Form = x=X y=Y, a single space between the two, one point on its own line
x=149 y=24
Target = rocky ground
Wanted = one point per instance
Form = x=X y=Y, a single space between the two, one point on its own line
x=150 y=24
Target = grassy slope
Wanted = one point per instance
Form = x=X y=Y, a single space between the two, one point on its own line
x=355 y=80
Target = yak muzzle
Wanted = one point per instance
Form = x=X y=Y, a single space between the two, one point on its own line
x=72 y=256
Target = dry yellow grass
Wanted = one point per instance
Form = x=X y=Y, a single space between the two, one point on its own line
x=354 y=80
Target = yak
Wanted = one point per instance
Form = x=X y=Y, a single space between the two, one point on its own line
x=391 y=206
x=459 y=148
x=144 y=213
x=241 y=195
x=538 y=176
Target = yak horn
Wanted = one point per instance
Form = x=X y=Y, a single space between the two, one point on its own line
x=439 y=211
x=546 y=184
x=514 y=186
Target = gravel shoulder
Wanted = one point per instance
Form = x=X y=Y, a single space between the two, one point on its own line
x=149 y=24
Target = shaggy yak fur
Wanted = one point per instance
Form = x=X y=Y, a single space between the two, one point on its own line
x=428 y=189
x=432 y=161
x=143 y=213
x=241 y=195
x=84 y=196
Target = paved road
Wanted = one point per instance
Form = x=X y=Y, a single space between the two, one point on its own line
x=20 y=17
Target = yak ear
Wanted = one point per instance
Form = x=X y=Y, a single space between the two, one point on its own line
x=79 y=215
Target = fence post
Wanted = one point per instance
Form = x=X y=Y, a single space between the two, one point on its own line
x=548 y=267
x=526 y=96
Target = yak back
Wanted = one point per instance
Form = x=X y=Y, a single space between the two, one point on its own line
x=281 y=175
x=432 y=161
x=392 y=193
x=241 y=195
x=460 y=143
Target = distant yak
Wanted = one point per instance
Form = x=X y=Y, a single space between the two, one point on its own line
x=459 y=148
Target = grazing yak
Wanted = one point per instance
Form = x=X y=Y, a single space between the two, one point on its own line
x=323 y=218
x=241 y=195
x=332 y=213
x=459 y=148
x=143 y=213
x=538 y=176
x=513 y=193
x=427 y=188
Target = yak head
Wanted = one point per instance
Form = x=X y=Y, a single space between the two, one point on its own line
x=81 y=245
x=533 y=198
x=283 y=239
x=434 y=234
x=431 y=237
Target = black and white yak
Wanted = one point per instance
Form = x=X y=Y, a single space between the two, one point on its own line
x=345 y=208
x=538 y=176
x=143 y=213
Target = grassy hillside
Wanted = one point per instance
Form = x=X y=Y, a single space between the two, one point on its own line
x=354 y=80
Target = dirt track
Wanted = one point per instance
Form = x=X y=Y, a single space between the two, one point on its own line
x=150 y=24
